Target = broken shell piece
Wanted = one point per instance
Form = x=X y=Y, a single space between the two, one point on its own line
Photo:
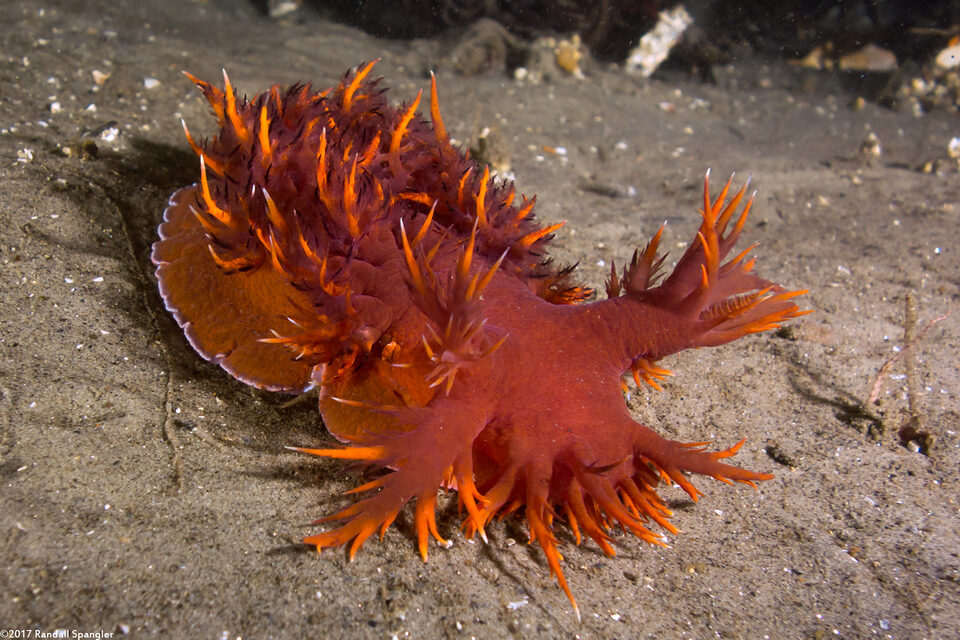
x=949 y=58
x=281 y=8
x=953 y=147
x=870 y=147
x=655 y=45
x=818 y=58
x=869 y=58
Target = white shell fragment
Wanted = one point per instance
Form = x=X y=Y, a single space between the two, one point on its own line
x=655 y=45
x=949 y=57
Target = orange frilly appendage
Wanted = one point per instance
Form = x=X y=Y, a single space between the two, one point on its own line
x=710 y=302
x=727 y=301
x=591 y=499
x=596 y=499
x=455 y=310
x=420 y=465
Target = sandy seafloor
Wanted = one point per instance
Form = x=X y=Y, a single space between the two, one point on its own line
x=145 y=491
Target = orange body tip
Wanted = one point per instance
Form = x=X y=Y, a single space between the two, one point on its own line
x=345 y=453
x=528 y=240
x=204 y=86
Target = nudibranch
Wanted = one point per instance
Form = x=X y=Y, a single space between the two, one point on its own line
x=338 y=242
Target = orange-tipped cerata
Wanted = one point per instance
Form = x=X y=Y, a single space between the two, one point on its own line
x=335 y=241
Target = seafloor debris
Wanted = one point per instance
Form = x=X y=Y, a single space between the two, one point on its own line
x=491 y=148
x=282 y=8
x=949 y=58
x=869 y=57
x=655 y=45
x=912 y=432
x=871 y=148
x=486 y=47
x=568 y=54
x=550 y=59
x=950 y=163
x=937 y=86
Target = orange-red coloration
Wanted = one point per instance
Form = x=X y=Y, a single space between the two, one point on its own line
x=339 y=242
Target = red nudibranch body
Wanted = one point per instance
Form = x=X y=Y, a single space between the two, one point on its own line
x=336 y=241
